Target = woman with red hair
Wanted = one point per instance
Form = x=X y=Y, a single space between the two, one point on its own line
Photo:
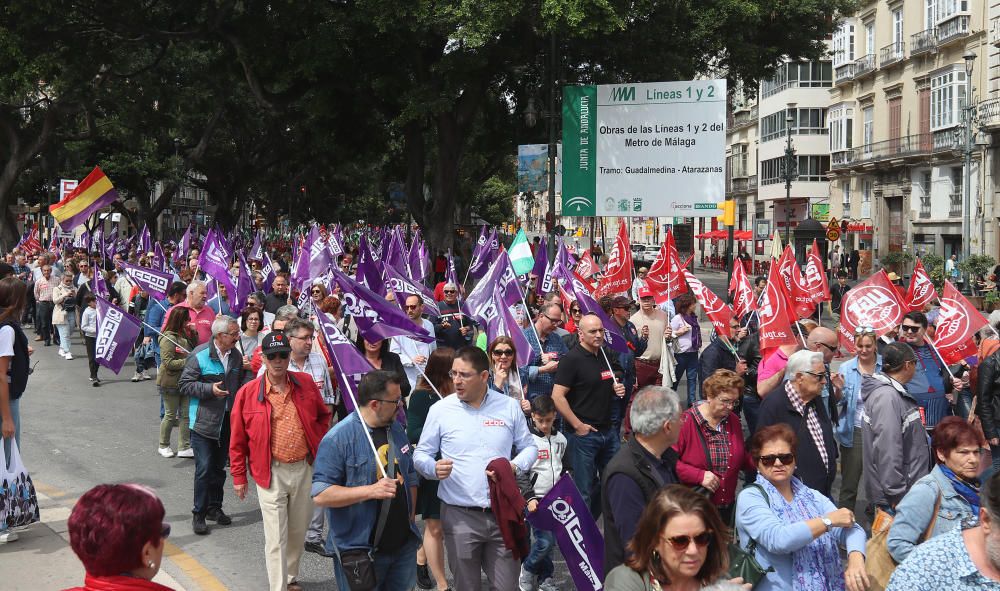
x=117 y=532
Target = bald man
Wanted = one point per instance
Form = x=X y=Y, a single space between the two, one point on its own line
x=823 y=340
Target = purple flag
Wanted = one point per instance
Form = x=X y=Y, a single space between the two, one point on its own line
x=417 y=263
x=395 y=253
x=97 y=242
x=268 y=271
x=588 y=305
x=369 y=271
x=300 y=265
x=541 y=260
x=480 y=262
x=257 y=250
x=159 y=259
x=185 y=245
x=82 y=240
x=244 y=286
x=319 y=256
x=563 y=512
x=344 y=356
x=334 y=243
x=215 y=258
x=116 y=333
x=212 y=291
x=565 y=257
x=402 y=287
x=499 y=321
x=155 y=283
x=376 y=318
x=145 y=241
x=501 y=281
x=98 y=286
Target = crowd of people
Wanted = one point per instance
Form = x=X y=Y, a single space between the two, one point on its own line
x=457 y=431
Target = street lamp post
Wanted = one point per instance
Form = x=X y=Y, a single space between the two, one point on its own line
x=530 y=118
x=970 y=59
x=790 y=172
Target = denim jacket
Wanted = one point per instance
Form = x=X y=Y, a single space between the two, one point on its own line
x=843 y=432
x=913 y=513
x=345 y=458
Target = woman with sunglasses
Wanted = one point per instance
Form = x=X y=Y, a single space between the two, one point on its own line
x=679 y=544
x=797 y=530
x=317 y=293
x=574 y=319
x=117 y=532
x=851 y=409
x=503 y=370
x=710 y=446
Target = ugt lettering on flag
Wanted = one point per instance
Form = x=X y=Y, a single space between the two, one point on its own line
x=117 y=331
x=563 y=512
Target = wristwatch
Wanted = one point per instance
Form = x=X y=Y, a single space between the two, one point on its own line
x=826 y=521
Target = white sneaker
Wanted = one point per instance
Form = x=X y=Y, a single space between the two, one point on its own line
x=145 y=376
x=186 y=453
x=166 y=452
x=8 y=536
x=136 y=377
x=547 y=586
x=68 y=356
x=62 y=353
x=526 y=580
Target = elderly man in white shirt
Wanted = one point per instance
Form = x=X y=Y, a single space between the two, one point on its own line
x=413 y=353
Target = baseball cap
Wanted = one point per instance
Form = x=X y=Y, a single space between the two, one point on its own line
x=621 y=302
x=644 y=292
x=275 y=342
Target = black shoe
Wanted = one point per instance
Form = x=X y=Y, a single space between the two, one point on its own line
x=424 y=577
x=198 y=525
x=318 y=548
x=218 y=516
x=96 y=383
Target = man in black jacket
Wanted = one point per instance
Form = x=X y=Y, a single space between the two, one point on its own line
x=643 y=465
x=723 y=353
x=797 y=402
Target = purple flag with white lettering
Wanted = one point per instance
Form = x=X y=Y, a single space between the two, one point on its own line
x=499 y=321
x=334 y=243
x=588 y=305
x=117 y=332
x=369 y=270
x=319 y=256
x=376 y=318
x=185 y=246
x=563 y=512
x=267 y=269
x=500 y=280
x=215 y=259
x=402 y=287
x=98 y=286
x=145 y=241
x=257 y=250
x=159 y=259
x=481 y=256
x=155 y=283
x=344 y=356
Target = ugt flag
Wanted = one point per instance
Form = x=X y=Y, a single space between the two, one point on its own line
x=958 y=321
x=921 y=290
x=117 y=331
x=718 y=312
x=775 y=313
x=563 y=512
x=872 y=303
x=618 y=273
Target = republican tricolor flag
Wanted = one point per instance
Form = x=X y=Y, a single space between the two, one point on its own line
x=93 y=193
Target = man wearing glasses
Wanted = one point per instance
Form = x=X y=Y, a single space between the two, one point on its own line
x=469 y=430
x=798 y=404
x=370 y=509
x=932 y=384
x=825 y=341
x=546 y=350
x=453 y=328
x=414 y=353
x=279 y=450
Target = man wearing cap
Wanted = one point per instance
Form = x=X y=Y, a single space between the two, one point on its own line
x=278 y=420
x=654 y=323
x=619 y=309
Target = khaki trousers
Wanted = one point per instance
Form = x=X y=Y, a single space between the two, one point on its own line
x=286 y=508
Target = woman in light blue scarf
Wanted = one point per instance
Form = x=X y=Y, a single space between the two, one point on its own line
x=851 y=407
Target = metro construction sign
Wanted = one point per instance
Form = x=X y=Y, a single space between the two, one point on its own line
x=656 y=149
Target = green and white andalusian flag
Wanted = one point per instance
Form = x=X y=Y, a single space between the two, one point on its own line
x=520 y=254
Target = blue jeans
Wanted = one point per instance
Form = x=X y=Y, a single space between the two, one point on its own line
x=393 y=570
x=586 y=457
x=65 y=330
x=209 y=469
x=15 y=413
x=688 y=362
x=539 y=560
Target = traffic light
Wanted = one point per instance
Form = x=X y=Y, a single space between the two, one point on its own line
x=728 y=216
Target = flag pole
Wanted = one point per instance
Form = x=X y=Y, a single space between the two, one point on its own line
x=941 y=359
x=609 y=365
x=157 y=331
x=368 y=435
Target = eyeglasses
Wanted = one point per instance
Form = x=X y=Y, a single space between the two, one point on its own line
x=165 y=530
x=395 y=402
x=456 y=375
x=409 y=307
x=832 y=348
x=730 y=402
x=553 y=320
x=681 y=543
x=273 y=356
x=317 y=292
x=503 y=352
x=233 y=334
x=864 y=330
x=303 y=338
x=768 y=460
x=820 y=376
x=910 y=328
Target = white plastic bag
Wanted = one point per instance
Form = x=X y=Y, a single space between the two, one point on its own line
x=18 y=500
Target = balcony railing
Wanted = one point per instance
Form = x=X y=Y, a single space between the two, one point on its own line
x=744 y=118
x=921 y=144
x=988 y=112
x=844 y=73
x=740 y=185
x=995 y=32
x=752 y=183
x=891 y=53
x=864 y=65
x=955 y=209
x=923 y=42
x=925 y=207
x=955 y=28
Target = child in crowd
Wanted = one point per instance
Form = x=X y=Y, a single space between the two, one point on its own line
x=88 y=325
x=538 y=567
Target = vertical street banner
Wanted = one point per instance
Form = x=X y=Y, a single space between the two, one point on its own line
x=651 y=149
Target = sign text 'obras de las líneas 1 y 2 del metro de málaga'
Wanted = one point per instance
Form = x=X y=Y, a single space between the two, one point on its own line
x=655 y=149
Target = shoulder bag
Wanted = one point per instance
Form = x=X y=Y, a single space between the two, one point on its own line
x=743 y=563
x=704 y=448
x=878 y=562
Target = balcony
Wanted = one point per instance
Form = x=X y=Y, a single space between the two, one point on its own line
x=844 y=73
x=955 y=206
x=995 y=32
x=988 y=112
x=902 y=148
x=957 y=27
x=752 y=184
x=740 y=185
x=744 y=118
x=864 y=65
x=923 y=42
x=891 y=54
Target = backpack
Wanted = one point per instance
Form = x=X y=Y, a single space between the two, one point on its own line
x=19 y=369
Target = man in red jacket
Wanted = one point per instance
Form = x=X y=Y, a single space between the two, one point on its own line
x=277 y=423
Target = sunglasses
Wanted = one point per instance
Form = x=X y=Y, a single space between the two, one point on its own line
x=316 y=291
x=503 y=352
x=450 y=291
x=864 y=330
x=409 y=307
x=574 y=311
x=832 y=348
x=768 y=460
x=910 y=328
x=820 y=377
x=165 y=531
x=681 y=543
x=273 y=356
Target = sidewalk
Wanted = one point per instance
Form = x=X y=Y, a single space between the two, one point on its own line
x=42 y=559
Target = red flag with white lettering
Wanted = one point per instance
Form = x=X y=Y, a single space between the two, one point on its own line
x=875 y=304
x=815 y=276
x=717 y=311
x=957 y=322
x=744 y=301
x=665 y=279
x=776 y=316
x=921 y=290
x=618 y=274
x=585 y=266
x=802 y=300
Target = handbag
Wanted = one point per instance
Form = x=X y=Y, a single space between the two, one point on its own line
x=18 y=500
x=743 y=563
x=878 y=562
x=358 y=565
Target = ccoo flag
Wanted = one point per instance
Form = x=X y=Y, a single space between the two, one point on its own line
x=93 y=193
x=117 y=332
x=155 y=283
x=563 y=512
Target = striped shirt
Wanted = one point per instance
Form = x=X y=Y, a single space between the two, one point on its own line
x=812 y=421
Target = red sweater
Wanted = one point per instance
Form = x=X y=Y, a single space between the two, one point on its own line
x=692 y=463
x=250 y=426
x=118 y=583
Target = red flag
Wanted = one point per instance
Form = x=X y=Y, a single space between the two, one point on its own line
x=957 y=322
x=801 y=298
x=776 y=316
x=665 y=279
x=618 y=274
x=744 y=301
x=921 y=290
x=873 y=303
x=581 y=283
x=585 y=266
x=718 y=312
x=815 y=276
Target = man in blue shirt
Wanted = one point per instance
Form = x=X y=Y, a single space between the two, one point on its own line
x=540 y=373
x=345 y=480
x=469 y=430
x=932 y=384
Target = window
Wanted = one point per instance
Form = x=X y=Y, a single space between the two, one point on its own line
x=805 y=121
x=929 y=14
x=843 y=44
x=866 y=199
x=947 y=98
x=798 y=75
x=869 y=38
x=738 y=161
x=949 y=8
x=841 y=128
x=809 y=169
x=957 y=178
x=897 y=26
x=925 y=195
x=868 y=133
x=846 y=190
